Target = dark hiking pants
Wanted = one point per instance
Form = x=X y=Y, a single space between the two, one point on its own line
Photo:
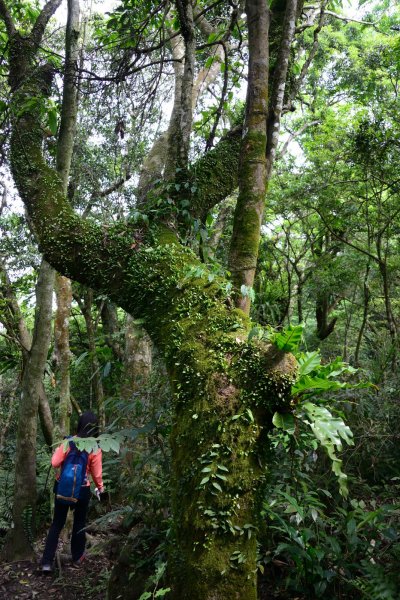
x=78 y=538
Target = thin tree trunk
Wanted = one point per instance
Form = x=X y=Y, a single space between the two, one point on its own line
x=111 y=328
x=278 y=83
x=96 y=383
x=252 y=172
x=181 y=121
x=46 y=418
x=62 y=351
x=65 y=146
x=388 y=303
x=14 y=322
x=367 y=297
x=19 y=540
x=138 y=358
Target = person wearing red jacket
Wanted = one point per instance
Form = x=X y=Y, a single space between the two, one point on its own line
x=87 y=427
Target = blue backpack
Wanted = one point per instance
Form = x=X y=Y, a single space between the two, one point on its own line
x=73 y=475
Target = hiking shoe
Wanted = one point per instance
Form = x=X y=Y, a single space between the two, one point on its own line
x=47 y=569
x=78 y=563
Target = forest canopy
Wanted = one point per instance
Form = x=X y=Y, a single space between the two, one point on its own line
x=200 y=226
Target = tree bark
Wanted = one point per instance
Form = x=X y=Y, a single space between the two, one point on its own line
x=181 y=121
x=62 y=352
x=65 y=147
x=278 y=83
x=96 y=384
x=111 y=328
x=252 y=172
x=19 y=540
x=137 y=359
x=367 y=298
x=16 y=328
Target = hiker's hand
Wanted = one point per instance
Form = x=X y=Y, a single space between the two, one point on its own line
x=97 y=493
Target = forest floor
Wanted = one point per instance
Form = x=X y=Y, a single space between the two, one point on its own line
x=25 y=580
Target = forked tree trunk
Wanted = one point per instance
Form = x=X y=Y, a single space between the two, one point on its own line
x=225 y=388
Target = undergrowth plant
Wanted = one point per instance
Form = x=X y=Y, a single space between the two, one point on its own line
x=320 y=543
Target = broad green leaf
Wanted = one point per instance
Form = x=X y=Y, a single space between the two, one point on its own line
x=308 y=361
x=162 y=592
x=284 y=421
x=315 y=383
x=329 y=431
x=217 y=486
x=289 y=339
x=326 y=426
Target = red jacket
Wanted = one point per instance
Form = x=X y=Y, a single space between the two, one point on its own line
x=94 y=465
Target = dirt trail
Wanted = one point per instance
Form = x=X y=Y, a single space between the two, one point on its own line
x=25 y=580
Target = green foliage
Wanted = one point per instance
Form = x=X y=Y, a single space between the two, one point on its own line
x=318 y=544
x=154 y=580
x=289 y=339
x=313 y=380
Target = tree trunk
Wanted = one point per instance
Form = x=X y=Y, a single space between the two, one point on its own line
x=65 y=147
x=367 y=297
x=225 y=388
x=252 y=172
x=62 y=352
x=138 y=358
x=137 y=369
x=96 y=383
x=111 y=328
x=14 y=322
x=19 y=539
x=322 y=309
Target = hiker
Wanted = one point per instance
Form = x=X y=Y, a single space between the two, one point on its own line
x=88 y=464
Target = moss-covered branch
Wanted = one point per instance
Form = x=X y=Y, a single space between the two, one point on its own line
x=216 y=173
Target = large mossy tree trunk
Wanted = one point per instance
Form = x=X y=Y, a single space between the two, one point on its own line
x=225 y=388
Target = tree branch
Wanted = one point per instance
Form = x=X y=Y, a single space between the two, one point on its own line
x=296 y=134
x=65 y=143
x=179 y=134
x=41 y=22
x=252 y=172
x=307 y=63
x=6 y=17
x=279 y=82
